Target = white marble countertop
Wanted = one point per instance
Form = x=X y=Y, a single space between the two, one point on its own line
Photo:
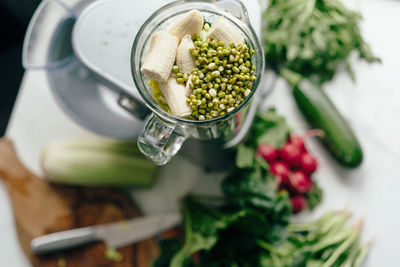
x=372 y=106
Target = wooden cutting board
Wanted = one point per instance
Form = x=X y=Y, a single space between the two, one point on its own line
x=42 y=208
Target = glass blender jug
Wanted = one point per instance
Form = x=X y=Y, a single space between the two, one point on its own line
x=164 y=134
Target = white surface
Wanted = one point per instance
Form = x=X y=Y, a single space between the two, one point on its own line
x=371 y=105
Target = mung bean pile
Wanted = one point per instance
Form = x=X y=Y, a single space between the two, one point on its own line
x=222 y=80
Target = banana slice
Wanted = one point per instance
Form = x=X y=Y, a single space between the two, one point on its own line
x=190 y=24
x=184 y=58
x=176 y=93
x=225 y=31
x=161 y=57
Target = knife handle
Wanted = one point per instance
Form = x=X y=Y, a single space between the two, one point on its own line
x=63 y=240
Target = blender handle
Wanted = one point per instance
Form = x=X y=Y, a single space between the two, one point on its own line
x=160 y=140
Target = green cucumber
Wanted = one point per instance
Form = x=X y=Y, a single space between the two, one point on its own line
x=321 y=113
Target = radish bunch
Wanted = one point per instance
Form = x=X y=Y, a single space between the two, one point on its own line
x=292 y=166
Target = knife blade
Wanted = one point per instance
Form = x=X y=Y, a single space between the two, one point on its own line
x=115 y=235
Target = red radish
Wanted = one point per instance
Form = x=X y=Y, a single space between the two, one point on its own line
x=299 y=203
x=300 y=182
x=298 y=140
x=291 y=154
x=281 y=172
x=308 y=163
x=267 y=152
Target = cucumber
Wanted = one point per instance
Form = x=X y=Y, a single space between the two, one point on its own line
x=321 y=113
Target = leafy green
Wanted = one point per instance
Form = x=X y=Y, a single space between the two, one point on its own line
x=254 y=190
x=244 y=157
x=252 y=211
x=313 y=38
x=202 y=224
x=251 y=187
x=269 y=128
x=314 y=197
x=236 y=240
x=168 y=247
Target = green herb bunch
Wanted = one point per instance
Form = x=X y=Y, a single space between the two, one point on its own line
x=227 y=231
x=313 y=38
x=326 y=242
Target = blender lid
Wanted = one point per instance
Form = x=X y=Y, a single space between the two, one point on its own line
x=103 y=35
x=83 y=95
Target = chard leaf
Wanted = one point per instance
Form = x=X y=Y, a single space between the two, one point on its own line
x=244 y=157
x=314 y=197
x=168 y=248
x=202 y=225
x=269 y=128
x=249 y=188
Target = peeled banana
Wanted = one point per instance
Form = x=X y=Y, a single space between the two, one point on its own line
x=161 y=57
x=184 y=58
x=176 y=93
x=225 y=31
x=190 y=24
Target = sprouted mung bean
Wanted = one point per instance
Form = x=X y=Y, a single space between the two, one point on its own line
x=221 y=81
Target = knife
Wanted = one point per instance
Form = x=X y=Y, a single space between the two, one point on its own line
x=115 y=235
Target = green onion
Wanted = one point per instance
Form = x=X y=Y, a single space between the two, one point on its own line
x=97 y=163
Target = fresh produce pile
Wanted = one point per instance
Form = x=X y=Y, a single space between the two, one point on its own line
x=213 y=71
x=325 y=242
x=285 y=156
x=292 y=165
x=249 y=226
x=313 y=38
x=307 y=42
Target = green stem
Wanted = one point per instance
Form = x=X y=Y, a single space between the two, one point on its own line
x=293 y=78
x=332 y=240
x=179 y=258
x=268 y=247
x=363 y=251
x=303 y=227
x=340 y=250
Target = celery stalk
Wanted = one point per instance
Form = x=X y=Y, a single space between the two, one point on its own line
x=97 y=163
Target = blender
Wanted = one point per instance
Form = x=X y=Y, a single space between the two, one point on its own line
x=85 y=49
